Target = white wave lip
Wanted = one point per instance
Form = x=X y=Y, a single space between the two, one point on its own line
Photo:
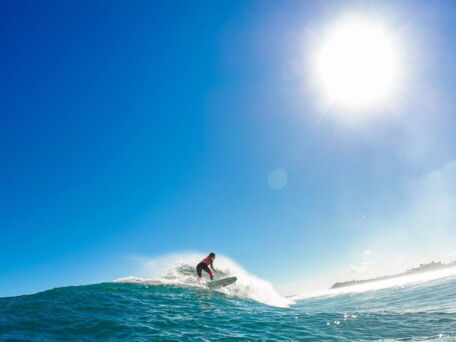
x=179 y=269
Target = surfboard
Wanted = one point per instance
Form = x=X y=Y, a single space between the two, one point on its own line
x=217 y=284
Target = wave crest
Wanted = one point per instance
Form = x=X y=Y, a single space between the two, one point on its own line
x=179 y=269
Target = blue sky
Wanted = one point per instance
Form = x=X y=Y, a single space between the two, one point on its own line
x=147 y=128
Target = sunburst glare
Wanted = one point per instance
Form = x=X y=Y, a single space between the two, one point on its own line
x=357 y=63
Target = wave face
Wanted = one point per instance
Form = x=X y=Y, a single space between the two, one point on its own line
x=121 y=311
x=247 y=286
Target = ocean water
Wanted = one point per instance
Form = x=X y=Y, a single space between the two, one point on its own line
x=177 y=308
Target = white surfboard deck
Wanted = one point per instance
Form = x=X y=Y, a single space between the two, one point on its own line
x=217 y=284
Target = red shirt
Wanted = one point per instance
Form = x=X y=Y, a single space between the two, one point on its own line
x=207 y=261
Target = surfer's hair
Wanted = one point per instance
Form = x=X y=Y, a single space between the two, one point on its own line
x=212 y=254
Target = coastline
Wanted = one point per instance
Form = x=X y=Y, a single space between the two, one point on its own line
x=422 y=268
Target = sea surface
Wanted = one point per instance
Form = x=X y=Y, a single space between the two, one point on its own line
x=165 y=310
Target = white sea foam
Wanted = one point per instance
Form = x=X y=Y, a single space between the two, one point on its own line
x=401 y=281
x=179 y=269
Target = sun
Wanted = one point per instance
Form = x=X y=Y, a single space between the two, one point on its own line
x=357 y=64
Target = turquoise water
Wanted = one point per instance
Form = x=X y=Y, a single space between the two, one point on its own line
x=160 y=312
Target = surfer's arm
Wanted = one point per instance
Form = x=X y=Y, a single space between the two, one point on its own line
x=212 y=266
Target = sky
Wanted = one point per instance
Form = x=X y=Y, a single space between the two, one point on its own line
x=132 y=130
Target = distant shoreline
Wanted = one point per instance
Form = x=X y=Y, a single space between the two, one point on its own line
x=432 y=266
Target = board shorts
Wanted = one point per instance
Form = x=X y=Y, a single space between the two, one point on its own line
x=203 y=266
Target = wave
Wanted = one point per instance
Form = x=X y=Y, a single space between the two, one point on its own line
x=179 y=269
x=169 y=310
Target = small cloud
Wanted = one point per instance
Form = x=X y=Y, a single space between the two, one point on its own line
x=367 y=252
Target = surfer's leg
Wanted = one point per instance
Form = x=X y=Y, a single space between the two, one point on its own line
x=206 y=268
x=199 y=269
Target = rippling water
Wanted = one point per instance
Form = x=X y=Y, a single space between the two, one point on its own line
x=147 y=312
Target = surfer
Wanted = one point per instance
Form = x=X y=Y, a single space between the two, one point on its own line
x=205 y=264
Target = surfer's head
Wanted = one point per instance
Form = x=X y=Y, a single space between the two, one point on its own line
x=212 y=255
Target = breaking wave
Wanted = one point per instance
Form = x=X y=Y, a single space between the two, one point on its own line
x=179 y=269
